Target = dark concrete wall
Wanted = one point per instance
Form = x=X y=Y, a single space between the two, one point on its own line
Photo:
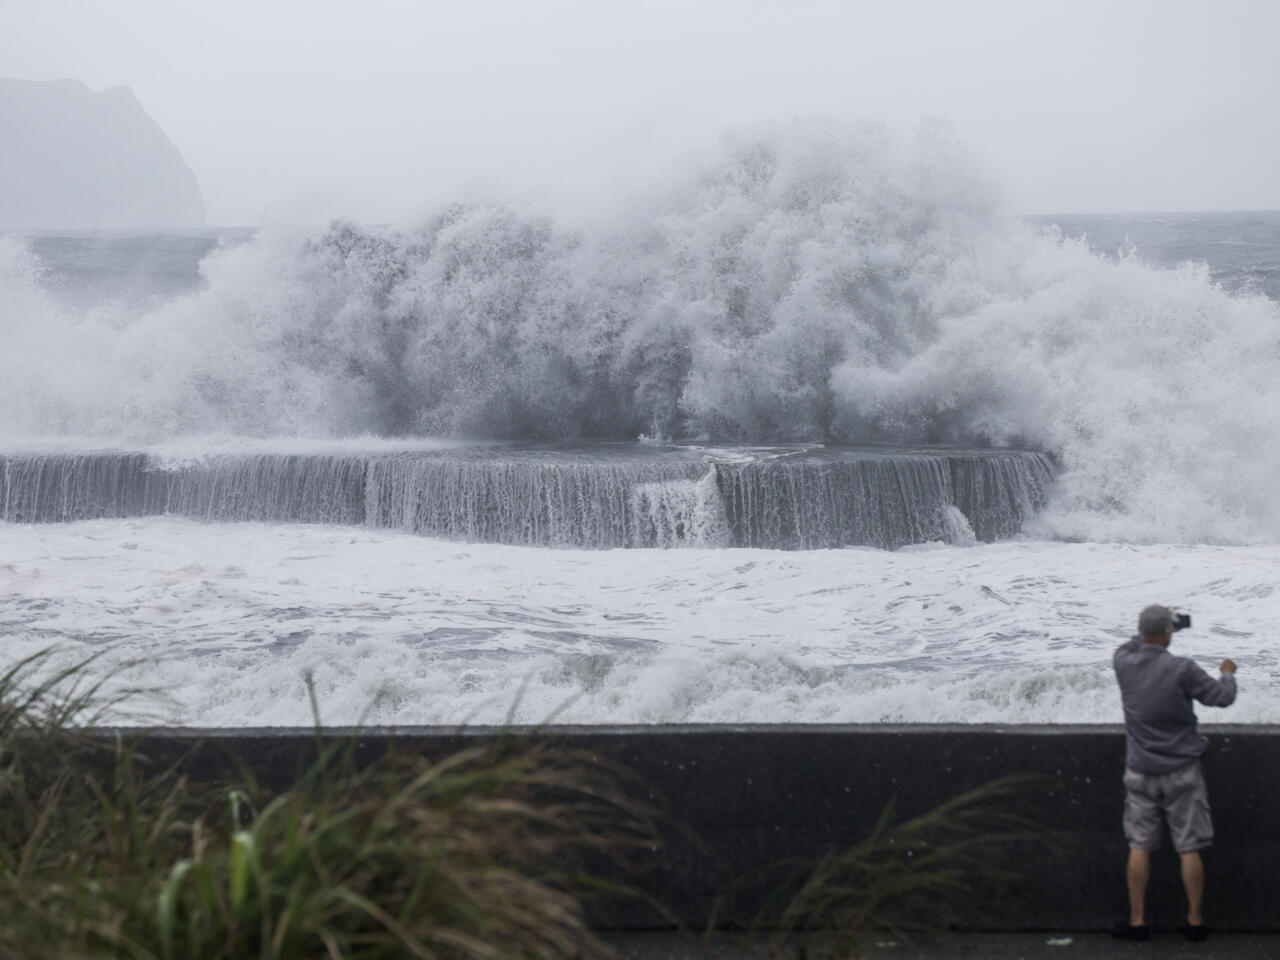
x=757 y=796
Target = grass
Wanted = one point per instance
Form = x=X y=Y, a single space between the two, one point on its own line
x=108 y=852
x=905 y=874
x=475 y=855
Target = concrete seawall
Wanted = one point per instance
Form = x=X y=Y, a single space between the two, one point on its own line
x=757 y=796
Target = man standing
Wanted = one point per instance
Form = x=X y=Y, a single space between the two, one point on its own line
x=1162 y=762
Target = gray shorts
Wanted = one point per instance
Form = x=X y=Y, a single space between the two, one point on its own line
x=1182 y=797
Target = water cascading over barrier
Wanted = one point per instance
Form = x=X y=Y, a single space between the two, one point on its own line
x=611 y=496
x=56 y=488
x=538 y=501
x=882 y=499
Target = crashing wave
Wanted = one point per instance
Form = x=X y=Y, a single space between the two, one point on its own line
x=810 y=284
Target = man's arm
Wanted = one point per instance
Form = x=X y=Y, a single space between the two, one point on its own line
x=1211 y=692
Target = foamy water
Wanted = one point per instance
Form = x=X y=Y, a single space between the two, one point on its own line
x=227 y=619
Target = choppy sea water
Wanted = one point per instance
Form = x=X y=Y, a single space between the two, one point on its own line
x=226 y=620
x=1241 y=248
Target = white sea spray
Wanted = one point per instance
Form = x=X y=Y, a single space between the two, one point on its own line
x=808 y=283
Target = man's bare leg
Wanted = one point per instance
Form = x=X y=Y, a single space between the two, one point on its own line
x=1137 y=873
x=1193 y=880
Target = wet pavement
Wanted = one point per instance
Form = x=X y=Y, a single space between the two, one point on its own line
x=945 y=946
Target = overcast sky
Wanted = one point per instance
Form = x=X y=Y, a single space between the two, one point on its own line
x=374 y=109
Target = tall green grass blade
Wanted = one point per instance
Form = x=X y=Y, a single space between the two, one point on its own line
x=166 y=906
x=240 y=871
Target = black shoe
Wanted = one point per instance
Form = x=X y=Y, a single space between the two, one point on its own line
x=1126 y=931
x=1195 y=932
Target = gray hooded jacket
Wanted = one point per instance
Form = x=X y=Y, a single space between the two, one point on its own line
x=1159 y=722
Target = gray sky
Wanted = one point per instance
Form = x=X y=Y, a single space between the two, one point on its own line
x=375 y=109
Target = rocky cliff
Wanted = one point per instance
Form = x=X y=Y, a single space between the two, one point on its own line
x=72 y=158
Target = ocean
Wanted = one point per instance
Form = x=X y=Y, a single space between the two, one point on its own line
x=817 y=435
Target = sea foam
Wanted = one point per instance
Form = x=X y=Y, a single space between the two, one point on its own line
x=228 y=619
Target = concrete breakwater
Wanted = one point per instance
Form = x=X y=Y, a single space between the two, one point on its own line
x=596 y=496
x=740 y=800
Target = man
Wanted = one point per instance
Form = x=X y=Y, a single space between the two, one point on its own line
x=1162 y=761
